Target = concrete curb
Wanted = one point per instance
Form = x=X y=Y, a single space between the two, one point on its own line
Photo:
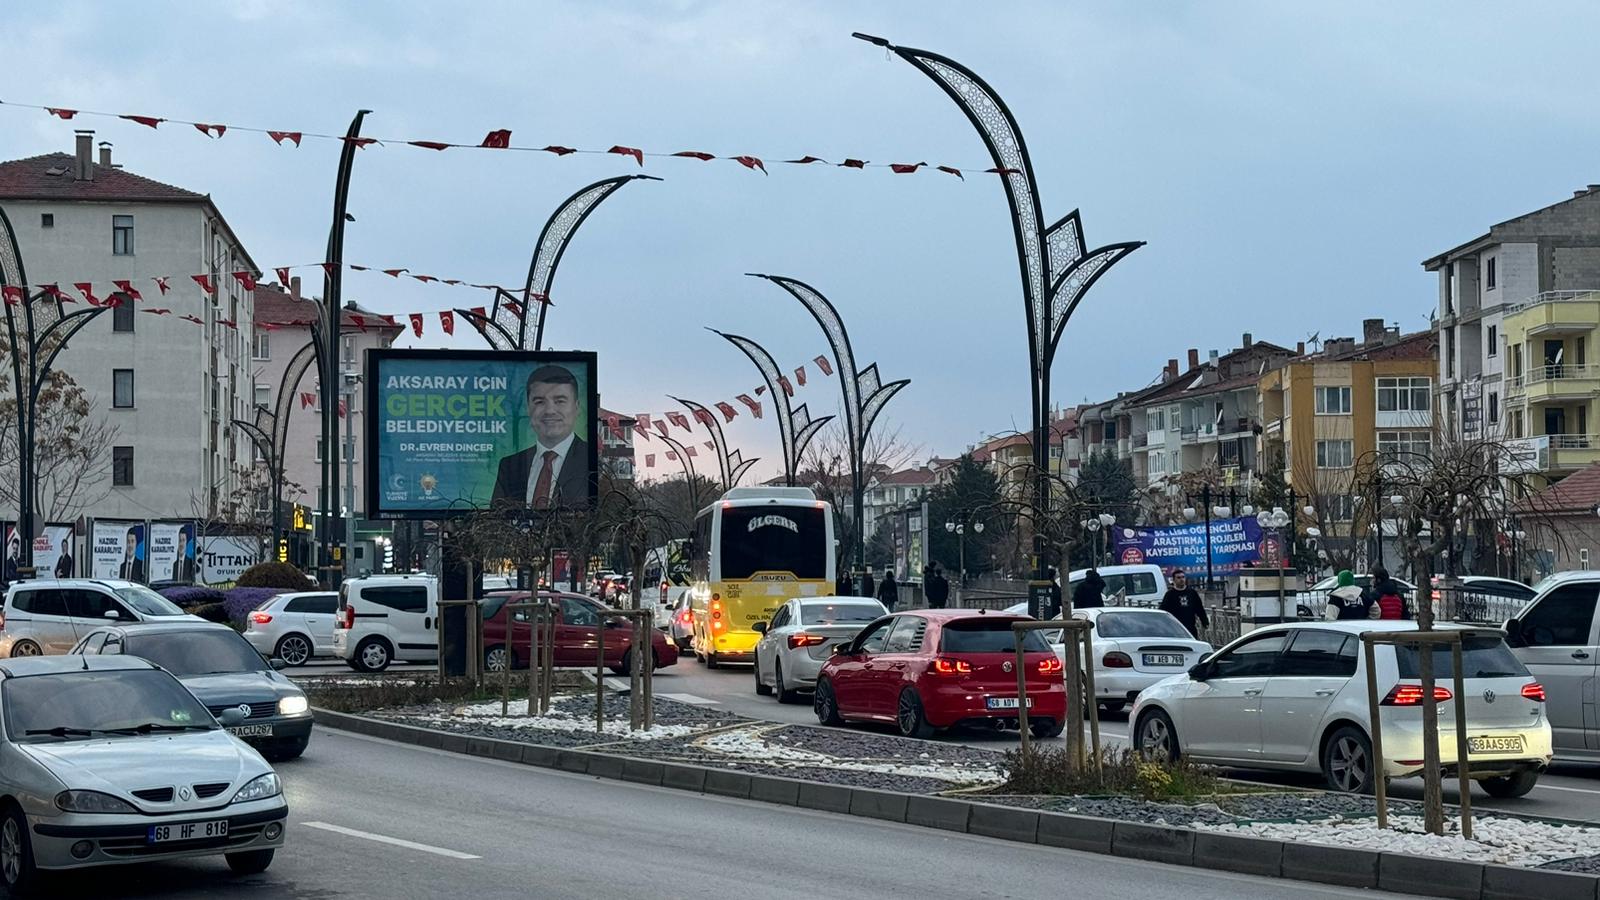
x=1319 y=863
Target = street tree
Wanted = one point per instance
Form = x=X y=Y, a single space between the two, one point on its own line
x=825 y=469
x=71 y=452
x=969 y=496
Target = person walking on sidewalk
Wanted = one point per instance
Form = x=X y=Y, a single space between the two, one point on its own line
x=938 y=589
x=1348 y=600
x=888 y=591
x=1392 y=603
x=1184 y=603
x=1090 y=592
x=868 y=587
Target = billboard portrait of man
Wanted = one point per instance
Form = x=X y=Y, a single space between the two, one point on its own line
x=132 y=566
x=64 y=561
x=554 y=470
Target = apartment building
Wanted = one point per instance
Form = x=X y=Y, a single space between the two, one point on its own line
x=168 y=386
x=1550 y=387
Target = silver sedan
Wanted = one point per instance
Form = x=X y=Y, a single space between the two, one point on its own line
x=801 y=635
x=110 y=760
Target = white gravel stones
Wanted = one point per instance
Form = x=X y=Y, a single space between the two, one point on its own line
x=564 y=715
x=1512 y=842
x=747 y=744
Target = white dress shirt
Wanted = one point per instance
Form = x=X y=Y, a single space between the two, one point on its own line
x=539 y=451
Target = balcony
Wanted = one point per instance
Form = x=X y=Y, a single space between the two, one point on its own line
x=1553 y=453
x=1552 y=384
x=1558 y=312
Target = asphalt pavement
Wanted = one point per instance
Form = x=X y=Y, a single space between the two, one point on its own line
x=369 y=818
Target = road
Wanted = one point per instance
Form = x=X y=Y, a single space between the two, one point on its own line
x=369 y=818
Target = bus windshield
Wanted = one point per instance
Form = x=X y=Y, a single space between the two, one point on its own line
x=774 y=538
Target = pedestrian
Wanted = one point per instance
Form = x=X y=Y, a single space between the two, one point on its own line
x=1184 y=603
x=1090 y=592
x=938 y=589
x=888 y=590
x=1392 y=603
x=868 y=587
x=843 y=586
x=1347 y=601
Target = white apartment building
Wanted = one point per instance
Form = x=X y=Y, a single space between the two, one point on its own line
x=170 y=387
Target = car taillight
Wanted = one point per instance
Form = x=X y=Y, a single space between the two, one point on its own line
x=2 y=621
x=1117 y=660
x=1534 y=691
x=1411 y=695
x=1051 y=666
x=347 y=617
x=944 y=666
x=261 y=618
x=686 y=617
x=796 y=641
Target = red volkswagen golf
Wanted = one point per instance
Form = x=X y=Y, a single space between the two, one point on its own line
x=929 y=669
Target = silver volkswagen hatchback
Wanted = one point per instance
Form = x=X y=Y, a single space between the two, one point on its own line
x=110 y=760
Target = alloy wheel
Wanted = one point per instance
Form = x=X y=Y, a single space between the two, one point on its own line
x=495 y=659
x=294 y=650
x=1155 y=739
x=375 y=656
x=1347 y=764
x=908 y=713
x=25 y=648
x=10 y=851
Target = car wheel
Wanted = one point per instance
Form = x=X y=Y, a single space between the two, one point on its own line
x=1506 y=787
x=24 y=648
x=373 y=655
x=909 y=716
x=825 y=704
x=1157 y=740
x=625 y=666
x=293 y=649
x=494 y=659
x=287 y=750
x=1347 y=761
x=761 y=687
x=785 y=695
x=249 y=862
x=16 y=853
x=1048 y=728
x=711 y=660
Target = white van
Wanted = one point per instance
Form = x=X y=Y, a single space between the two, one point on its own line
x=1144 y=585
x=387 y=618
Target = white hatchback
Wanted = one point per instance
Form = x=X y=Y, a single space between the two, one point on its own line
x=1133 y=649
x=293 y=627
x=1294 y=697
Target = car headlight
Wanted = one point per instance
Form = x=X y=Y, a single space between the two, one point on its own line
x=292 y=706
x=259 y=788
x=92 y=802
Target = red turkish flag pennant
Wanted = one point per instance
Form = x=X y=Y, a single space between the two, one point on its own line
x=613 y=422
x=643 y=435
x=616 y=433
x=661 y=427
x=389 y=317
x=416 y=323
x=359 y=321
x=228 y=323
x=515 y=307
x=750 y=162
x=690 y=450
x=158 y=311
x=207 y=130
x=704 y=417
x=194 y=319
x=430 y=145
x=327 y=269
x=788 y=389
x=278 y=137
x=905 y=168
x=806 y=159
x=356 y=268
x=341 y=407
x=480 y=312
x=127 y=288
x=644 y=421
x=711 y=446
x=307 y=398
x=86 y=288
x=680 y=420
x=800 y=375
x=269 y=326
x=113 y=301
x=13 y=294
x=205 y=283
x=161 y=282
x=672 y=456
x=649 y=460
x=560 y=150
x=63 y=113
x=360 y=142
x=447 y=320
x=951 y=170
x=452 y=281
x=246 y=279
x=752 y=403
x=283 y=275
x=55 y=293
x=1003 y=171
x=822 y=363
x=854 y=164
x=393 y=273
x=761 y=390
x=635 y=152
x=498 y=139
x=424 y=278
x=695 y=154
x=727 y=410
x=151 y=121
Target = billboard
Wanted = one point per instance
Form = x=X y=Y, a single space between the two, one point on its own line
x=453 y=431
x=1235 y=543
x=221 y=558
x=117 y=549
x=172 y=552
x=52 y=553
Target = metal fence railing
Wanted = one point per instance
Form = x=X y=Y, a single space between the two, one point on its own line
x=1464 y=604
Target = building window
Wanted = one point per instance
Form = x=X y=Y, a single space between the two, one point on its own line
x=1401 y=446
x=1489 y=274
x=47 y=220
x=1515 y=428
x=1156 y=420
x=122 y=466
x=259 y=348
x=1494 y=342
x=1339 y=507
x=1335 y=454
x=122 y=235
x=1404 y=394
x=122 y=313
x=122 y=388
x=1333 y=401
x=1494 y=418
x=263 y=395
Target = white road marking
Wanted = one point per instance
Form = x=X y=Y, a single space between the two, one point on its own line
x=1557 y=787
x=691 y=699
x=385 y=839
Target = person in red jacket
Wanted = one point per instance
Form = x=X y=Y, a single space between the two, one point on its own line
x=1391 y=596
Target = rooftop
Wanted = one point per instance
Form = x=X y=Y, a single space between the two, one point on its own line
x=1578 y=492
x=50 y=177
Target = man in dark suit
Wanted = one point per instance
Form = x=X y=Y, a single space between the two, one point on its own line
x=132 y=568
x=64 y=562
x=555 y=470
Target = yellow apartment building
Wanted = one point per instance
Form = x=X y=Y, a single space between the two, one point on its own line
x=1551 y=387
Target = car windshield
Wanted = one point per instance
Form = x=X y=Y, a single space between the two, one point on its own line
x=76 y=705
x=208 y=652
x=990 y=634
x=1140 y=624
x=839 y=613
x=1482 y=656
x=147 y=602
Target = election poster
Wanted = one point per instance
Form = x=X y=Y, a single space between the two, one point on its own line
x=118 y=550
x=172 y=552
x=53 y=556
x=222 y=558
x=1235 y=543
x=456 y=431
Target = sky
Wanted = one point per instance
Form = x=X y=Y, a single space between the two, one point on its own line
x=1289 y=165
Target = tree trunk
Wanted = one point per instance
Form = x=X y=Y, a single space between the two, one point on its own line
x=1432 y=781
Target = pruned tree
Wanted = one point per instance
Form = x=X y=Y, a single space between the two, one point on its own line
x=1341 y=507
x=825 y=469
x=970 y=496
x=71 y=446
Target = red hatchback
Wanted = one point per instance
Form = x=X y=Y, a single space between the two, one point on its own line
x=576 y=638
x=930 y=669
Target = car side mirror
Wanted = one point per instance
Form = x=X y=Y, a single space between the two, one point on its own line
x=231 y=716
x=759 y=628
x=1200 y=671
x=1514 y=632
x=842 y=650
x=112 y=614
x=277 y=664
x=613 y=623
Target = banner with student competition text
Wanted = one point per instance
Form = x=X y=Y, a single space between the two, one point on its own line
x=1235 y=543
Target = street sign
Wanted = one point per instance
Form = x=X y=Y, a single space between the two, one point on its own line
x=1038 y=598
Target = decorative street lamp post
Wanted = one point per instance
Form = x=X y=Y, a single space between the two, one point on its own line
x=795 y=425
x=1056 y=269
x=689 y=475
x=732 y=465
x=1099 y=528
x=960 y=531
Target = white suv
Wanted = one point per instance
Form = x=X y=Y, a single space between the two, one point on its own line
x=293 y=627
x=49 y=616
x=387 y=618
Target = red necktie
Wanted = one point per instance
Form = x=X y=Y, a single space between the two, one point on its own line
x=541 y=488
